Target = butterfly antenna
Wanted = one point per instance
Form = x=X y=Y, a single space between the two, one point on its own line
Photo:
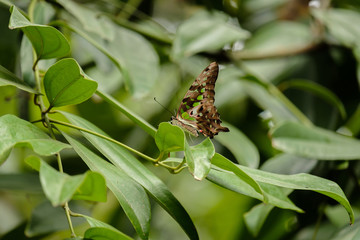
x=162 y=106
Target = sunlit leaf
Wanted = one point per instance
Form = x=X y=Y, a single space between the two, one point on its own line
x=47 y=41
x=199 y=157
x=314 y=142
x=137 y=171
x=8 y=78
x=65 y=83
x=205 y=32
x=129 y=193
x=60 y=187
x=169 y=138
x=16 y=132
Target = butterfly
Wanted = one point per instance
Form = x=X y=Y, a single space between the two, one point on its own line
x=197 y=112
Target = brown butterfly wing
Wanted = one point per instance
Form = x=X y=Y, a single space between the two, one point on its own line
x=198 y=104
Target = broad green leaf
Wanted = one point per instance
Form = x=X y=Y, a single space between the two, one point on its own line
x=94 y=223
x=260 y=94
x=131 y=196
x=269 y=98
x=277 y=38
x=337 y=22
x=352 y=127
x=137 y=171
x=199 y=157
x=169 y=138
x=100 y=233
x=285 y=163
x=336 y=214
x=255 y=218
x=8 y=78
x=22 y=182
x=274 y=194
x=27 y=61
x=269 y=182
x=314 y=142
x=134 y=55
x=205 y=31
x=150 y=29
x=240 y=146
x=318 y=91
x=225 y=164
x=127 y=112
x=60 y=187
x=91 y=19
x=47 y=41
x=302 y=181
x=16 y=132
x=65 y=83
x=46 y=218
x=348 y=232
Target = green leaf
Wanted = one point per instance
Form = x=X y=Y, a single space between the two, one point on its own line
x=303 y=181
x=285 y=163
x=314 y=142
x=269 y=98
x=22 y=182
x=205 y=32
x=94 y=223
x=317 y=90
x=137 y=171
x=60 y=187
x=276 y=38
x=274 y=194
x=270 y=182
x=48 y=219
x=8 y=78
x=128 y=113
x=169 y=138
x=47 y=41
x=255 y=218
x=90 y=19
x=259 y=92
x=134 y=55
x=199 y=157
x=129 y=193
x=337 y=22
x=225 y=164
x=16 y=132
x=240 y=146
x=352 y=126
x=100 y=233
x=347 y=232
x=65 y=83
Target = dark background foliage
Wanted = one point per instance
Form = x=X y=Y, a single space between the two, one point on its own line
x=311 y=55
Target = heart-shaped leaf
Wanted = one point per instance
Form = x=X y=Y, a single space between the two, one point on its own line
x=65 y=83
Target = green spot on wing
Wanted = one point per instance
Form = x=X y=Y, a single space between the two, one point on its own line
x=196 y=104
x=200 y=97
x=186 y=116
x=202 y=90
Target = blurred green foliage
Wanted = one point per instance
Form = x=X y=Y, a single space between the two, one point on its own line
x=286 y=66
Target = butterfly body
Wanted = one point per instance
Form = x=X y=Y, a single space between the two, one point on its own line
x=197 y=112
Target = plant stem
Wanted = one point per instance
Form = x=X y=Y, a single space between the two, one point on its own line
x=38 y=100
x=106 y=138
x=67 y=212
